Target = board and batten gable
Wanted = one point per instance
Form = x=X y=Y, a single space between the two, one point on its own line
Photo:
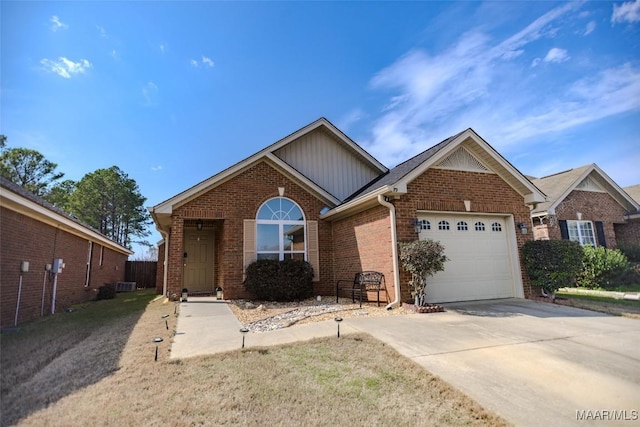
x=328 y=162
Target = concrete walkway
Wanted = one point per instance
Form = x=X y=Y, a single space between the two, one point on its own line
x=207 y=326
x=535 y=364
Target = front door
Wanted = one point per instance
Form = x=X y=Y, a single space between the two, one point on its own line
x=198 y=261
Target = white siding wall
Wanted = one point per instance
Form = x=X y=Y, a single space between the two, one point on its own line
x=328 y=163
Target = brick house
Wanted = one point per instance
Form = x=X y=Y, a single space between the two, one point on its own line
x=317 y=195
x=630 y=232
x=584 y=204
x=33 y=236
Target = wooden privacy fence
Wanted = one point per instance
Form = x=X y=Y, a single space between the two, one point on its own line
x=141 y=272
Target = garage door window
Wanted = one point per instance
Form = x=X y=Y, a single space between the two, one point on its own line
x=443 y=225
x=479 y=226
x=496 y=226
x=462 y=226
x=424 y=224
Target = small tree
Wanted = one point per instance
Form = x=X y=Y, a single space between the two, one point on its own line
x=423 y=259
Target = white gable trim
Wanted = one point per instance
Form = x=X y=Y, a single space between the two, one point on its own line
x=582 y=177
x=531 y=195
x=167 y=206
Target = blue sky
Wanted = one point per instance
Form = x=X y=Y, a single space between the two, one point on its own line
x=174 y=92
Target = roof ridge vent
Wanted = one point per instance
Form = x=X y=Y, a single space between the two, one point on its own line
x=461 y=159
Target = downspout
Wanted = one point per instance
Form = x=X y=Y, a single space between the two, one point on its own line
x=165 y=236
x=394 y=251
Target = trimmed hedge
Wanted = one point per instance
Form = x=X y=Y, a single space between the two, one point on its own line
x=552 y=264
x=631 y=250
x=602 y=267
x=287 y=280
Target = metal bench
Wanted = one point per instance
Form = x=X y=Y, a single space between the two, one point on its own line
x=365 y=281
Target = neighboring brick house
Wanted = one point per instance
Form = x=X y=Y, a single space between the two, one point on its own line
x=317 y=195
x=587 y=206
x=630 y=231
x=35 y=232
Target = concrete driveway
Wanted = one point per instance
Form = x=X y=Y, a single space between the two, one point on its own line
x=536 y=364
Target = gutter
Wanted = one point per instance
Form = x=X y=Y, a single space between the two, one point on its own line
x=394 y=251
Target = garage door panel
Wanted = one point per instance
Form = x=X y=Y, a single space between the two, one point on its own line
x=479 y=265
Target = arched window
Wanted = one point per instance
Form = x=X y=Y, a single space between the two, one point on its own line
x=281 y=231
x=462 y=226
x=496 y=226
x=443 y=225
x=479 y=226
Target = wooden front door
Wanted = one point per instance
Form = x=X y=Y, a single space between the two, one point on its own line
x=198 y=261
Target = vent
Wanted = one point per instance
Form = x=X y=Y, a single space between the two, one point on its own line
x=588 y=184
x=461 y=159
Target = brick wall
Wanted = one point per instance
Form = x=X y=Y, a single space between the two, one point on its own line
x=25 y=239
x=363 y=242
x=628 y=233
x=594 y=206
x=446 y=190
x=228 y=205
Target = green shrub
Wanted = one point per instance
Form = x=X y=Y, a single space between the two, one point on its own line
x=601 y=267
x=631 y=250
x=106 y=291
x=287 y=280
x=421 y=258
x=552 y=264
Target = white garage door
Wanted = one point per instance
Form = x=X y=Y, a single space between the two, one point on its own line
x=479 y=265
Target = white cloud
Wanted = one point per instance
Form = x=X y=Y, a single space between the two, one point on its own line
x=150 y=94
x=163 y=47
x=556 y=55
x=207 y=61
x=114 y=54
x=590 y=27
x=65 y=67
x=626 y=12
x=156 y=168
x=477 y=83
x=102 y=31
x=56 y=24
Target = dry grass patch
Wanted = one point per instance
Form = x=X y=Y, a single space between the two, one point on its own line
x=353 y=380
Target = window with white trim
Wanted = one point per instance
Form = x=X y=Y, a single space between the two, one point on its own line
x=496 y=226
x=443 y=225
x=462 y=226
x=479 y=226
x=424 y=224
x=581 y=232
x=280 y=227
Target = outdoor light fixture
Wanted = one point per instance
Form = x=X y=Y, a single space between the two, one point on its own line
x=417 y=225
x=199 y=224
x=185 y=294
x=243 y=331
x=157 y=341
x=523 y=227
x=166 y=322
x=338 y=320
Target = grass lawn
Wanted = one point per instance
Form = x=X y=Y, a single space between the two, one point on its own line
x=96 y=367
x=618 y=307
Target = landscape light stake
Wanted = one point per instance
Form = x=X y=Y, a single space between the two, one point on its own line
x=166 y=322
x=338 y=320
x=157 y=340
x=243 y=331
